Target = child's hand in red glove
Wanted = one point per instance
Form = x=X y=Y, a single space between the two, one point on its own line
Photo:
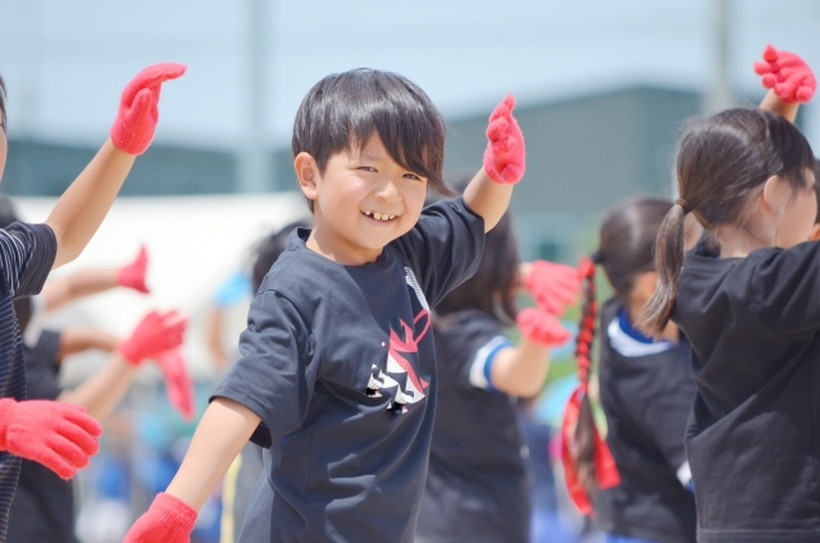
x=178 y=383
x=505 y=155
x=133 y=129
x=59 y=435
x=540 y=326
x=168 y=520
x=132 y=275
x=554 y=286
x=788 y=74
x=155 y=333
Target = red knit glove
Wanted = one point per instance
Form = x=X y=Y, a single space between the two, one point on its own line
x=542 y=327
x=155 y=333
x=504 y=157
x=177 y=382
x=788 y=74
x=554 y=286
x=168 y=520
x=133 y=129
x=132 y=275
x=59 y=435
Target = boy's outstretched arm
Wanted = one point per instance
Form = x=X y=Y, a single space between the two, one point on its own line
x=490 y=191
x=220 y=435
x=790 y=80
x=83 y=206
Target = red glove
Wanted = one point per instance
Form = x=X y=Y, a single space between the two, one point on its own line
x=168 y=520
x=133 y=129
x=59 y=435
x=132 y=275
x=155 y=333
x=178 y=383
x=504 y=157
x=788 y=74
x=542 y=327
x=554 y=286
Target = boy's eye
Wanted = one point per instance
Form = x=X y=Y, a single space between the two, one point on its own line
x=412 y=176
x=367 y=168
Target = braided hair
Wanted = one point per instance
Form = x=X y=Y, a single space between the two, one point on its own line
x=626 y=240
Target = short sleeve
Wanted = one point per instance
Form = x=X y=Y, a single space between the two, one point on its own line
x=445 y=247
x=785 y=284
x=275 y=374
x=467 y=343
x=27 y=253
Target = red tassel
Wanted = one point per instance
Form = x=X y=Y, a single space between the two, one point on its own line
x=574 y=487
x=606 y=471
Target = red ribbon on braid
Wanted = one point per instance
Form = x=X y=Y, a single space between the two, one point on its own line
x=606 y=472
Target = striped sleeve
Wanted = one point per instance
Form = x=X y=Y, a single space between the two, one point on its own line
x=27 y=253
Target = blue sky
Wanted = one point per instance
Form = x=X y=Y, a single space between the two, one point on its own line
x=66 y=63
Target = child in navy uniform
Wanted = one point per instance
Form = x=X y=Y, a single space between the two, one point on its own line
x=337 y=368
x=746 y=298
x=646 y=388
x=59 y=435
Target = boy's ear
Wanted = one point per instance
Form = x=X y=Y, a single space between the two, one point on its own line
x=307 y=172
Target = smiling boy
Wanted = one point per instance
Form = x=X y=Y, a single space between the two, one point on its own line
x=336 y=376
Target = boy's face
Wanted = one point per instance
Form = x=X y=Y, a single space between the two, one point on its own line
x=362 y=201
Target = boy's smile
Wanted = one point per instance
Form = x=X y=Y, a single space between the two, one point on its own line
x=361 y=202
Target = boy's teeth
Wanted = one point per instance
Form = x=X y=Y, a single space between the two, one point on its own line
x=380 y=216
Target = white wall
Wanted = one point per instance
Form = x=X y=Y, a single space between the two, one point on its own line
x=194 y=243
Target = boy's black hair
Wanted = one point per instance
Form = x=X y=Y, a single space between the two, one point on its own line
x=345 y=109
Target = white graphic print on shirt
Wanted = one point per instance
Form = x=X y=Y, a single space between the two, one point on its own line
x=403 y=342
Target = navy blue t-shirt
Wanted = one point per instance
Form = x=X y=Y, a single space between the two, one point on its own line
x=753 y=442
x=647 y=391
x=339 y=363
x=26 y=255
x=478 y=484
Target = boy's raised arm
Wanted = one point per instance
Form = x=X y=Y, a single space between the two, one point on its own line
x=82 y=207
x=490 y=191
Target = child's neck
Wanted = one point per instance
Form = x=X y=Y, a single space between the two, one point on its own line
x=737 y=243
x=340 y=255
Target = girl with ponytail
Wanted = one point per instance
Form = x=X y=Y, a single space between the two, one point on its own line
x=634 y=484
x=747 y=298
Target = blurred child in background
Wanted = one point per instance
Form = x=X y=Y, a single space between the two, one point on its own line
x=56 y=434
x=479 y=483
